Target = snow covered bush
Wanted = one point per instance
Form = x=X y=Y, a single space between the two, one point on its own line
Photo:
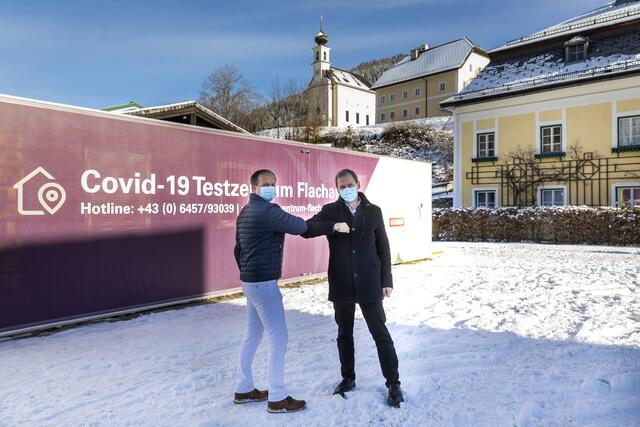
x=347 y=138
x=414 y=140
x=571 y=224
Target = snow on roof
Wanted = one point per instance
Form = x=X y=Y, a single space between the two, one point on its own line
x=608 y=55
x=348 y=78
x=433 y=60
x=612 y=13
x=179 y=106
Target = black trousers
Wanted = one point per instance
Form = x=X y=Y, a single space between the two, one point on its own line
x=375 y=318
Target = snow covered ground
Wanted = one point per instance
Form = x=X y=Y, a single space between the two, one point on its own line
x=487 y=335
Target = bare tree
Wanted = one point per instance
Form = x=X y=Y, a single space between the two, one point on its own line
x=288 y=112
x=523 y=172
x=580 y=158
x=276 y=107
x=297 y=104
x=226 y=92
x=288 y=108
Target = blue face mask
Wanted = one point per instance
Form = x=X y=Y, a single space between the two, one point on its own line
x=268 y=193
x=349 y=194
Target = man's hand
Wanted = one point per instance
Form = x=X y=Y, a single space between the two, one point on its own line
x=341 y=227
x=387 y=292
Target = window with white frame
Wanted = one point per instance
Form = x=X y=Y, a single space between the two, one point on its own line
x=628 y=131
x=381 y=99
x=551 y=139
x=405 y=113
x=485 y=198
x=392 y=97
x=392 y=115
x=417 y=111
x=357 y=118
x=486 y=145
x=628 y=196
x=405 y=94
x=382 y=117
x=416 y=92
x=552 y=197
x=346 y=115
x=443 y=86
x=367 y=119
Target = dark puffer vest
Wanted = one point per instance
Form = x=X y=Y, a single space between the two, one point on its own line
x=260 y=230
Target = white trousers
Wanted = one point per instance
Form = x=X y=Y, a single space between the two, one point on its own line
x=264 y=312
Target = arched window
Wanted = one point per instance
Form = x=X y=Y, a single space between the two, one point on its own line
x=324 y=54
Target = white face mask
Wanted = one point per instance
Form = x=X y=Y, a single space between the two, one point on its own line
x=349 y=194
x=268 y=193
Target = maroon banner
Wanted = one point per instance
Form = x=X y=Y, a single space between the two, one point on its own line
x=101 y=212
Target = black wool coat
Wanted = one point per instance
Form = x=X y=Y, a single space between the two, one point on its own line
x=360 y=261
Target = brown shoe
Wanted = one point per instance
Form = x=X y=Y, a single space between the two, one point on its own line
x=253 y=396
x=289 y=404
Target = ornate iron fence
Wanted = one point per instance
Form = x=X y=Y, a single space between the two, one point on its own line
x=588 y=180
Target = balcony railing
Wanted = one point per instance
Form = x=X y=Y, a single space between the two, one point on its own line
x=574 y=26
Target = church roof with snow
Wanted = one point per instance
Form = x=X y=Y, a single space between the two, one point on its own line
x=347 y=78
x=539 y=61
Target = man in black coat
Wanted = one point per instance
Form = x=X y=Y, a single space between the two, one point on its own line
x=359 y=272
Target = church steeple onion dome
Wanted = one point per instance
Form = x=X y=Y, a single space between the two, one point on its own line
x=321 y=38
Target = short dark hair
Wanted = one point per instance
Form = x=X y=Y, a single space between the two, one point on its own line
x=345 y=172
x=256 y=175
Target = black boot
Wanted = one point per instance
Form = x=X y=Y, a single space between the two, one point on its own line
x=347 y=384
x=395 y=396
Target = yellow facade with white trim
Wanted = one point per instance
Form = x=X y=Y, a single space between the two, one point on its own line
x=588 y=115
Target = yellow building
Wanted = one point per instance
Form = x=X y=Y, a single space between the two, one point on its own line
x=554 y=119
x=414 y=87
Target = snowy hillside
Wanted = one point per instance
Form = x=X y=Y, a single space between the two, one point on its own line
x=427 y=140
x=433 y=141
x=438 y=123
x=487 y=335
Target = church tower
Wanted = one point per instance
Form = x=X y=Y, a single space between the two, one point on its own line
x=321 y=58
x=337 y=97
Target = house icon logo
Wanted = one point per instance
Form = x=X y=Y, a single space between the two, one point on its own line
x=51 y=195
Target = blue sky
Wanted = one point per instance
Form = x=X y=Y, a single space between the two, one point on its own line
x=102 y=53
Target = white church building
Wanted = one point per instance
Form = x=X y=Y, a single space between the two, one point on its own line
x=337 y=97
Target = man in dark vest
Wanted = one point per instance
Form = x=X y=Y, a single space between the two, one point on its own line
x=260 y=230
x=359 y=272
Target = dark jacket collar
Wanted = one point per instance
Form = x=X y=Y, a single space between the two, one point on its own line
x=254 y=197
